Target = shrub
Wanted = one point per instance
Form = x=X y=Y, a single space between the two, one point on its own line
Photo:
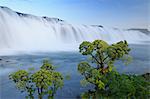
x=46 y=81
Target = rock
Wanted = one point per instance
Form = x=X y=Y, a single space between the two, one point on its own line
x=146 y=76
x=145 y=31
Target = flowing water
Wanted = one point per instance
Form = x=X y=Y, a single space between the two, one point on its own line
x=25 y=32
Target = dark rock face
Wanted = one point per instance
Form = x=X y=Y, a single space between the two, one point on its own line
x=97 y=26
x=45 y=17
x=0 y=59
x=30 y=15
x=22 y=14
x=50 y=19
x=1 y=6
x=4 y=7
x=146 y=76
x=145 y=31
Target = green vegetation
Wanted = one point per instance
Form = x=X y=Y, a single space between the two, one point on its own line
x=46 y=81
x=100 y=72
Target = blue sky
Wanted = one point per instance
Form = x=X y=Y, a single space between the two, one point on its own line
x=111 y=13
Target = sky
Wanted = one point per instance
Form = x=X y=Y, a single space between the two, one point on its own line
x=110 y=13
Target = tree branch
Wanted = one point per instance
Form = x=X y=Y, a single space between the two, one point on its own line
x=105 y=58
x=95 y=58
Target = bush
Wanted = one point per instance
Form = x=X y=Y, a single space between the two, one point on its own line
x=45 y=81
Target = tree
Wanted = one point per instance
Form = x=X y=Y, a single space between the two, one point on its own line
x=22 y=81
x=45 y=81
x=100 y=72
x=102 y=56
x=57 y=78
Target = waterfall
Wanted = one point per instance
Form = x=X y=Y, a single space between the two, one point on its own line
x=25 y=32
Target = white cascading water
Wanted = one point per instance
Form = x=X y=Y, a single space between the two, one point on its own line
x=23 y=32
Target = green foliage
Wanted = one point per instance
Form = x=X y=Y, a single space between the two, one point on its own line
x=44 y=81
x=123 y=87
x=22 y=81
x=20 y=75
x=100 y=71
x=46 y=65
x=104 y=56
x=128 y=86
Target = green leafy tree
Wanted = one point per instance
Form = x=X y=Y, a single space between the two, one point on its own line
x=102 y=56
x=100 y=71
x=22 y=80
x=46 y=81
x=57 y=78
x=42 y=79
